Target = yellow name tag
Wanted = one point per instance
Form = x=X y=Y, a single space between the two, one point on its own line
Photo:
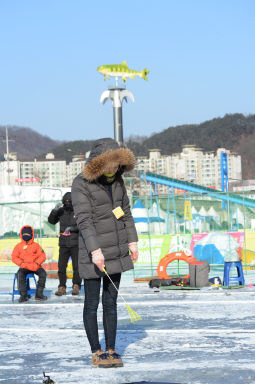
x=118 y=212
x=25 y=247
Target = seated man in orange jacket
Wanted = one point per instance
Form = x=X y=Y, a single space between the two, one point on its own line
x=29 y=256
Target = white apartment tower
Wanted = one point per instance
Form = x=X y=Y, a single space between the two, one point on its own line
x=192 y=164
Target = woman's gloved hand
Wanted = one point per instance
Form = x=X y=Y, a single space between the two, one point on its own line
x=98 y=258
x=134 y=251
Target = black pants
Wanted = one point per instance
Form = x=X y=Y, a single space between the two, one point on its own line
x=22 y=272
x=109 y=301
x=64 y=254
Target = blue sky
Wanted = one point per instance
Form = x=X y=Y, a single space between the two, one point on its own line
x=200 y=54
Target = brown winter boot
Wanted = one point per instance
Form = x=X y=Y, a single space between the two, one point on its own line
x=100 y=359
x=61 y=291
x=115 y=358
x=76 y=290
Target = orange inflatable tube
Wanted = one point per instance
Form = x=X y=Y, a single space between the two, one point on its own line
x=162 y=266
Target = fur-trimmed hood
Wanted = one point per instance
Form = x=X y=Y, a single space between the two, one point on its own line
x=107 y=152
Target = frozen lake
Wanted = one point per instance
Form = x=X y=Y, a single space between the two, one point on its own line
x=204 y=336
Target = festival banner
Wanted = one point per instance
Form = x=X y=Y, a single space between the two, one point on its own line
x=151 y=248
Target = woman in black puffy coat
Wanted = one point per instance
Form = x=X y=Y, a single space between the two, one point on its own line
x=107 y=237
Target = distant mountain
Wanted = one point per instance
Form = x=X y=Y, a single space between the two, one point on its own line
x=223 y=132
x=235 y=132
x=26 y=142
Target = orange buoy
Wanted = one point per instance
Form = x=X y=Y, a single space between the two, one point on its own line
x=174 y=256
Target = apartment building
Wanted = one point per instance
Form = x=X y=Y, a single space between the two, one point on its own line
x=50 y=171
x=73 y=169
x=192 y=164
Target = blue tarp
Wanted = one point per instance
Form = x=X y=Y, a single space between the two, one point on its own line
x=208 y=253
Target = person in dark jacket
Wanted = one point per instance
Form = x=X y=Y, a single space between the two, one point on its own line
x=107 y=237
x=68 y=243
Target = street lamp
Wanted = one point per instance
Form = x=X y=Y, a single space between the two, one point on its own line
x=7 y=140
x=117 y=95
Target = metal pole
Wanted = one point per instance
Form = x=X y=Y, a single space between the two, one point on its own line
x=168 y=207
x=148 y=216
x=244 y=225
x=229 y=225
x=149 y=235
x=157 y=202
x=174 y=208
x=118 y=126
x=7 y=153
x=131 y=192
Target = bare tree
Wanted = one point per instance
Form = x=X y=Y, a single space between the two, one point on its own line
x=42 y=175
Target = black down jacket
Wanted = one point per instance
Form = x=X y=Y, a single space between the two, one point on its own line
x=65 y=217
x=93 y=206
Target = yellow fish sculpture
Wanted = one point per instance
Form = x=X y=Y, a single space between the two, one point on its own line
x=121 y=70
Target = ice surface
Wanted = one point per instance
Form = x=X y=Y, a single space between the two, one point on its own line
x=185 y=337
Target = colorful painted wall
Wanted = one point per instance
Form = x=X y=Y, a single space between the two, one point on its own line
x=151 y=249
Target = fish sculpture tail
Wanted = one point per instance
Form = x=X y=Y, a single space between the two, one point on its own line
x=144 y=73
